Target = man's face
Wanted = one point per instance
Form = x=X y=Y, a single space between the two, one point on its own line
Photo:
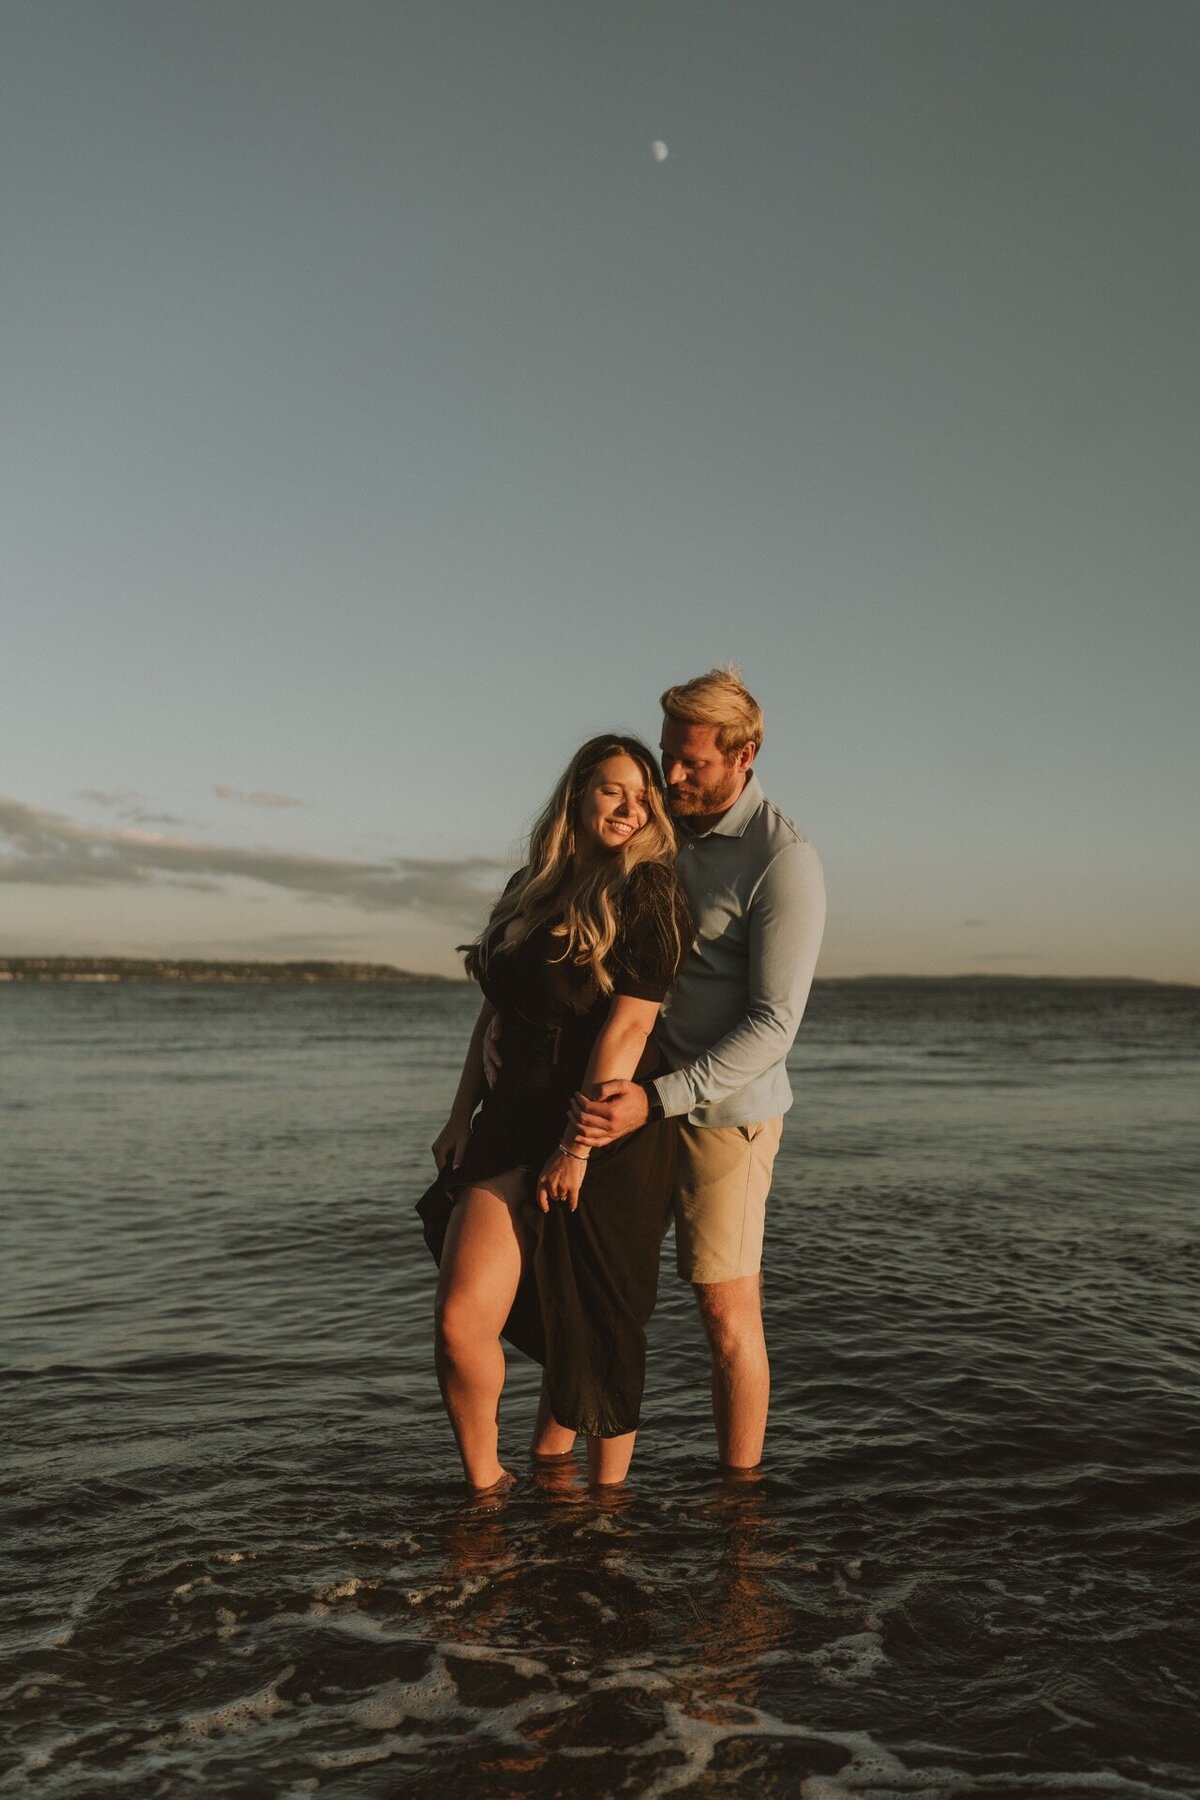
x=701 y=782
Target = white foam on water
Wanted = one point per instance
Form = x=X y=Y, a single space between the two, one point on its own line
x=453 y=1598
x=607 y=1613
x=388 y=1707
x=345 y=1590
x=875 y=1771
x=628 y=1676
x=434 y=1701
x=879 y=1775
x=1097 y=1781
x=528 y=1666
x=350 y=1622
x=187 y=1587
x=238 y=1715
x=36 y=1760
x=696 y=1740
x=848 y=1658
x=367 y=1753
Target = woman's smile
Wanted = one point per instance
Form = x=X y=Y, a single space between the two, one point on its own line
x=613 y=805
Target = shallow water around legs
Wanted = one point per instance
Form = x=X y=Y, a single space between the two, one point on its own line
x=238 y=1557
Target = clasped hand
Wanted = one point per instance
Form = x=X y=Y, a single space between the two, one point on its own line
x=616 y=1107
x=613 y=1110
x=561 y=1180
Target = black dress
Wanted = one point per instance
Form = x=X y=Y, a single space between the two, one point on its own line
x=590 y=1285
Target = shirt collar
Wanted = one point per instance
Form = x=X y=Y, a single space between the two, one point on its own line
x=734 y=820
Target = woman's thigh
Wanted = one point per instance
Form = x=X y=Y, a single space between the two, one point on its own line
x=486 y=1249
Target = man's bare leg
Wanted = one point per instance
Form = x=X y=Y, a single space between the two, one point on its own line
x=731 y=1312
x=550 y=1439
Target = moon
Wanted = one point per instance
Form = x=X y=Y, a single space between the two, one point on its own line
x=659 y=150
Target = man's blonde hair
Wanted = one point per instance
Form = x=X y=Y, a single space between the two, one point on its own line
x=719 y=698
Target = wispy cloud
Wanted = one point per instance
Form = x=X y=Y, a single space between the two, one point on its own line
x=99 y=797
x=127 y=806
x=46 y=849
x=260 y=796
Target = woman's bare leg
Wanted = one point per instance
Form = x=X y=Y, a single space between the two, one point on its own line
x=609 y=1459
x=481 y=1268
x=549 y=1437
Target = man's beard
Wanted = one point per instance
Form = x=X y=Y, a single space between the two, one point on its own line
x=689 y=800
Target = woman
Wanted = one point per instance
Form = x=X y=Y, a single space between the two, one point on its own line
x=556 y=1249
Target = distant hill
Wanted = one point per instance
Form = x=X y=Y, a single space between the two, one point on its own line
x=982 y=978
x=139 y=968
x=201 y=969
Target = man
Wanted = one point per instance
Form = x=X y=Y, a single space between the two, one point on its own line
x=758 y=899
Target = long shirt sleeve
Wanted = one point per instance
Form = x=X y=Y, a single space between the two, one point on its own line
x=758 y=896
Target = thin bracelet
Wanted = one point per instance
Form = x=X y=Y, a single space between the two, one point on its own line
x=572 y=1154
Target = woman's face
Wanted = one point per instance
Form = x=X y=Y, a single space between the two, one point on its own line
x=612 y=806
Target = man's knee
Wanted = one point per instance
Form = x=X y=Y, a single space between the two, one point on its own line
x=731 y=1312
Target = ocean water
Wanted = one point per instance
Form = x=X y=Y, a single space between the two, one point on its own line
x=237 y=1558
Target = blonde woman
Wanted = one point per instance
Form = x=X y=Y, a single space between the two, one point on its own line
x=539 y=1240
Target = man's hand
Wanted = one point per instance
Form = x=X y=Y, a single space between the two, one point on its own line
x=618 y=1108
x=492 y=1059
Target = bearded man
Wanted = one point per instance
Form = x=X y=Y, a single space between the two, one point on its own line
x=757 y=895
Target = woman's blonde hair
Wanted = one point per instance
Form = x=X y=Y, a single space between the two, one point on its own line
x=587 y=902
x=719 y=698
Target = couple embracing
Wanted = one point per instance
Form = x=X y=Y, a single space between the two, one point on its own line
x=644 y=975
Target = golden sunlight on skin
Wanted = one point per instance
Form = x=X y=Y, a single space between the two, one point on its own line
x=612 y=807
x=702 y=782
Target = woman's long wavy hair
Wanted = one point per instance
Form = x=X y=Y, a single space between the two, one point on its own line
x=586 y=902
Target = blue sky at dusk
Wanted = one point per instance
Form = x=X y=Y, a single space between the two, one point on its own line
x=381 y=417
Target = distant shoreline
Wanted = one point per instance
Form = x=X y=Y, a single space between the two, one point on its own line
x=200 y=969
x=313 y=971
x=992 y=978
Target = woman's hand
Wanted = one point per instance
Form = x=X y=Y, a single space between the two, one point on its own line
x=561 y=1180
x=449 y=1146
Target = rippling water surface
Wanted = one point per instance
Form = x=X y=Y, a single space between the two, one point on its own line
x=238 y=1558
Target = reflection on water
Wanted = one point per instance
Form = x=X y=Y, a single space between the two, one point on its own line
x=238 y=1560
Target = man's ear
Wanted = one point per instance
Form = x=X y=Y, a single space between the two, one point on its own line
x=745 y=757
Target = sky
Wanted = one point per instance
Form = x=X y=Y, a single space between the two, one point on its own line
x=381 y=415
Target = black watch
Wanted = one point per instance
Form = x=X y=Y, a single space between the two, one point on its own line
x=656 y=1106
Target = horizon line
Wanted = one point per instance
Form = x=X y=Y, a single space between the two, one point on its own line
x=62 y=958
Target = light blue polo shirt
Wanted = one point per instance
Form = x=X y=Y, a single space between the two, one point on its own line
x=757 y=894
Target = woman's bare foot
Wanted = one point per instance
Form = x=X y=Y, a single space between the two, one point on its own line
x=495 y=1489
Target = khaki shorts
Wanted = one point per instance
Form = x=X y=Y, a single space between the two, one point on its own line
x=721 y=1188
